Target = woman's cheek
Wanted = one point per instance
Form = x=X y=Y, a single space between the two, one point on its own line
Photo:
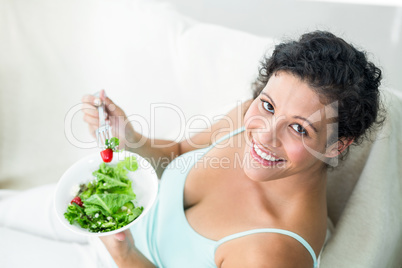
x=254 y=118
x=304 y=151
x=296 y=150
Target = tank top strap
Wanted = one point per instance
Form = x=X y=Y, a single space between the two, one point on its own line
x=270 y=230
x=227 y=136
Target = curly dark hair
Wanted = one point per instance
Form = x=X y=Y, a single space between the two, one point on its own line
x=337 y=71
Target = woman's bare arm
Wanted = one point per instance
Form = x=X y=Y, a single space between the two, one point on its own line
x=157 y=151
x=123 y=251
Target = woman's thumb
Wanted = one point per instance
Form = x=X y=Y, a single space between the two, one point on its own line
x=102 y=95
x=100 y=98
x=120 y=236
x=109 y=104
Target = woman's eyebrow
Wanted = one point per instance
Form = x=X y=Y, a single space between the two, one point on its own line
x=308 y=122
x=269 y=98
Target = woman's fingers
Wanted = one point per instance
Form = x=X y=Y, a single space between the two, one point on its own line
x=91 y=120
x=89 y=109
x=113 y=114
x=91 y=99
x=92 y=102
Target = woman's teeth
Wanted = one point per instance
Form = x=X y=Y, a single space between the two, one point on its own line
x=265 y=155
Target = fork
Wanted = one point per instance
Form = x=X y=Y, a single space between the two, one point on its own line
x=104 y=132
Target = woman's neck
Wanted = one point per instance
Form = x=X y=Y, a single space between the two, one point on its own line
x=295 y=190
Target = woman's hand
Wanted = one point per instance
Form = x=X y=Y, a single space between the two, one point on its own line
x=120 y=246
x=121 y=128
x=157 y=152
x=123 y=251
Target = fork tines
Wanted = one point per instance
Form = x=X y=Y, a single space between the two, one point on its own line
x=103 y=133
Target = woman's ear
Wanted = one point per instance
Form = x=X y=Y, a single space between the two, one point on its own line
x=338 y=147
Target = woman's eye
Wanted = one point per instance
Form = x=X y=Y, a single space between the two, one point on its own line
x=299 y=129
x=268 y=106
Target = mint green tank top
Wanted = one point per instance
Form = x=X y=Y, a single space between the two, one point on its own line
x=164 y=235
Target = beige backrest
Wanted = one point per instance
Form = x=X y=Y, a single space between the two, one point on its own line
x=365 y=199
x=343 y=178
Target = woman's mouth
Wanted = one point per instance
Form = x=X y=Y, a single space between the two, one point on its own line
x=264 y=157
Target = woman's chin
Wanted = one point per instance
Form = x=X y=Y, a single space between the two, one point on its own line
x=257 y=171
x=259 y=174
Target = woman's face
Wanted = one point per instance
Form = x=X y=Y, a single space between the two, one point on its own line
x=286 y=126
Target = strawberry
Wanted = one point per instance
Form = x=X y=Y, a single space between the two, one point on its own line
x=107 y=155
x=77 y=200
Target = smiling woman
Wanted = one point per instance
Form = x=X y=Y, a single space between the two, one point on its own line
x=283 y=131
x=252 y=192
x=313 y=99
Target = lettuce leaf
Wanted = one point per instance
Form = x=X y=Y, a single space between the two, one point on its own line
x=109 y=182
x=76 y=213
x=107 y=203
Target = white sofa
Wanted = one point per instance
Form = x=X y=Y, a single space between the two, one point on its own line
x=170 y=73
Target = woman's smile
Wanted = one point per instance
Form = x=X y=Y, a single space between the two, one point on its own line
x=264 y=156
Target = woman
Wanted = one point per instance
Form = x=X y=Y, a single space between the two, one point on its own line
x=255 y=197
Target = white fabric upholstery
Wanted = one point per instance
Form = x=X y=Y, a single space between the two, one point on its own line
x=162 y=67
x=32 y=236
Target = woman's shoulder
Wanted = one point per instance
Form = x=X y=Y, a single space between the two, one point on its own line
x=231 y=121
x=265 y=250
x=285 y=246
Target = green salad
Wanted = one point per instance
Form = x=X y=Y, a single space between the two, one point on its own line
x=106 y=203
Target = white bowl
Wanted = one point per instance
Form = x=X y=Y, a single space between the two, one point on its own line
x=144 y=183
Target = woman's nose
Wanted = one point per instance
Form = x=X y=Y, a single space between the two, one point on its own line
x=270 y=134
